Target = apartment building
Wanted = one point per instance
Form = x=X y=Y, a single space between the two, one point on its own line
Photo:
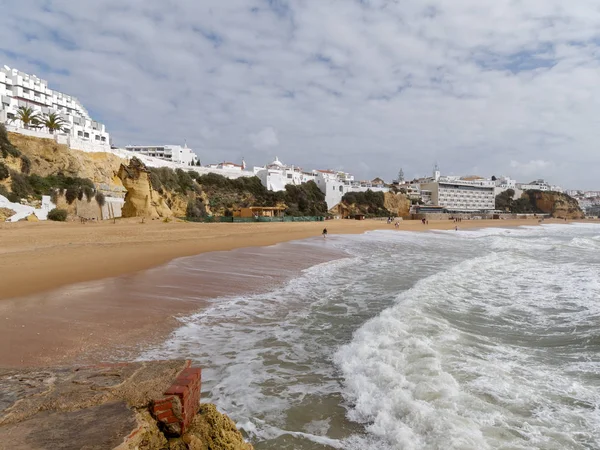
x=461 y=196
x=173 y=153
x=18 y=89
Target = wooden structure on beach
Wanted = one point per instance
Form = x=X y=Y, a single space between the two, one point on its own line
x=260 y=211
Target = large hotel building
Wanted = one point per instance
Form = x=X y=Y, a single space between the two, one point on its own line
x=460 y=195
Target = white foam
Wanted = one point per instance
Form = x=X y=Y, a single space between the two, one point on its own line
x=419 y=379
x=469 y=340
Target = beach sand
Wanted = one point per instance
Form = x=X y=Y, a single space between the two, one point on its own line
x=71 y=292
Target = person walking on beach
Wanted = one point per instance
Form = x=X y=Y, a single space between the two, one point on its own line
x=324 y=233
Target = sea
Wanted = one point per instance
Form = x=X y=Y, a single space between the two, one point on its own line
x=469 y=339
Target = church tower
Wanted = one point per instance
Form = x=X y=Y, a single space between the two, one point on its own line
x=436 y=172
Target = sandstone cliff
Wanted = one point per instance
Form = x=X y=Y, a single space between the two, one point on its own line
x=556 y=204
x=397 y=204
x=49 y=158
x=141 y=199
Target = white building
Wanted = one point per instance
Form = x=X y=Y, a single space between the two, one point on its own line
x=505 y=183
x=173 y=153
x=19 y=89
x=539 y=185
x=469 y=194
x=461 y=196
x=228 y=166
x=336 y=184
x=276 y=175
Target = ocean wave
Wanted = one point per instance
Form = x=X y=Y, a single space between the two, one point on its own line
x=478 y=339
x=460 y=361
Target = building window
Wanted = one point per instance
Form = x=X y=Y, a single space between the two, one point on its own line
x=97 y=138
x=80 y=133
x=289 y=175
x=103 y=139
x=86 y=135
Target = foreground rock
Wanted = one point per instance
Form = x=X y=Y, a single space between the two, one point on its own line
x=146 y=405
x=141 y=199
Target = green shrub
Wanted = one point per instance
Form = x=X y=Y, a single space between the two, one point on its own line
x=58 y=215
x=25 y=165
x=5 y=146
x=4 y=172
x=20 y=185
x=195 y=208
x=3 y=191
x=71 y=194
x=88 y=192
x=100 y=199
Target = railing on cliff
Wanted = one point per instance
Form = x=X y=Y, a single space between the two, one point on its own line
x=223 y=219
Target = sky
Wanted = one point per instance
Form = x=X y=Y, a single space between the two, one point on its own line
x=482 y=87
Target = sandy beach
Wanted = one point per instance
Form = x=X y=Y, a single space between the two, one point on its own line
x=61 y=284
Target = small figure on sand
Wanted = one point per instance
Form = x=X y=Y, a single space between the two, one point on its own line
x=455 y=228
x=324 y=233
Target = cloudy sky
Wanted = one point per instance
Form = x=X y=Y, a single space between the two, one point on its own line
x=481 y=86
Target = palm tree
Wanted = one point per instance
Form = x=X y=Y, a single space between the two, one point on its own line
x=53 y=122
x=28 y=116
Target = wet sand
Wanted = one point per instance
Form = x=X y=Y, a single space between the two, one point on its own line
x=79 y=293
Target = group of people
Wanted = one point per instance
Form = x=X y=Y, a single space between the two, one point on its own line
x=396 y=224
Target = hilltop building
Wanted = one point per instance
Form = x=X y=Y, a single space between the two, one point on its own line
x=19 y=89
x=228 y=165
x=539 y=185
x=276 y=175
x=173 y=153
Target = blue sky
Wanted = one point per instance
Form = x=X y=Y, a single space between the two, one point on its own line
x=505 y=87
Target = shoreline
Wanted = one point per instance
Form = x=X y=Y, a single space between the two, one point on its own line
x=96 y=311
x=39 y=257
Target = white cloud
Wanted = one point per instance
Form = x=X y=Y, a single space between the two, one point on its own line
x=265 y=139
x=370 y=86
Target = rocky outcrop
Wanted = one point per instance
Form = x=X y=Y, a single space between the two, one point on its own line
x=397 y=204
x=213 y=430
x=141 y=199
x=556 y=204
x=109 y=406
x=49 y=158
x=5 y=213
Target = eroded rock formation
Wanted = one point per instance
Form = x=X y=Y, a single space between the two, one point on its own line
x=397 y=204
x=556 y=204
x=141 y=199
